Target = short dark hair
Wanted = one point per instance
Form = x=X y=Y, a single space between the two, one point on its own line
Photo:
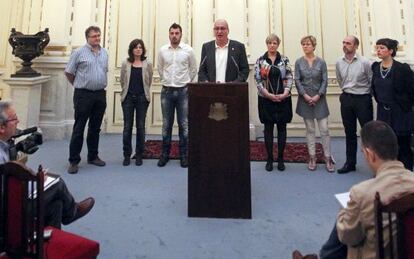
x=380 y=137
x=175 y=26
x=91 y=28
x=134 y=43
x=390 y=44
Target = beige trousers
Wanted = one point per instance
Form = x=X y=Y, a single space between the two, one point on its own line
x=310 y=136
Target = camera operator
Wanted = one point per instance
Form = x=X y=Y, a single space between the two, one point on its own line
x=60 y=206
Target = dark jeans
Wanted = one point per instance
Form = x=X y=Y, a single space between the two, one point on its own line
x=333 y=248
x=60 y=205
x=174 y=99
x=281 y=139
x=88 y=105
x=139 y=105
x=353 y=108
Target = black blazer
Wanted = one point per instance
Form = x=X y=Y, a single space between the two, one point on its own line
x=403 y=83
x=237 y=66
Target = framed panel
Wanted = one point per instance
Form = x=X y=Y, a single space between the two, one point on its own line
x=129 y=27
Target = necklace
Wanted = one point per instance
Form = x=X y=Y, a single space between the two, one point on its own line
x=384 y=71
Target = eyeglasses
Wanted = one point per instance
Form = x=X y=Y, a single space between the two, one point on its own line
x=14 y=118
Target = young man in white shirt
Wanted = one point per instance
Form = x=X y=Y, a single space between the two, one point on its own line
x=176 y=67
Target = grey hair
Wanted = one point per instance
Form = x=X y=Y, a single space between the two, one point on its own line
x=272 y=37
x=4 y=105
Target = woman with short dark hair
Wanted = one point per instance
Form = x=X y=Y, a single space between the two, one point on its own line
x=136 y=79
x=393 y=89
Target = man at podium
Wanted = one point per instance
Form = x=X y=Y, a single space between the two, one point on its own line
x=222 y=59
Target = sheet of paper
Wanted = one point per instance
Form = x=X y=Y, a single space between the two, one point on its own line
x=342 y=198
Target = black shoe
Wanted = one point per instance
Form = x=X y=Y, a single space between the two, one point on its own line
x=184 y=162
x=269 y=165
x=163 y=160
x=346 y=169
x=126 y=161
x=281 y=165
x=138 y=160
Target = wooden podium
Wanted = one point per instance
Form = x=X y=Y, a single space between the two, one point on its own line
x=219 y=151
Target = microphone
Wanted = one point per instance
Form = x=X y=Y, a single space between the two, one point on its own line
x=202 y=61
x=20 y=132
x=237 y=66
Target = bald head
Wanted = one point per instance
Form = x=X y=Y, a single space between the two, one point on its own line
x=221 y=32
x=350 y=45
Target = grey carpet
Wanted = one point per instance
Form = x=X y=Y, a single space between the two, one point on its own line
x=141 y=212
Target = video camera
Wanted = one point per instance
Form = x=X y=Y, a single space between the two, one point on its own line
x=29 y=145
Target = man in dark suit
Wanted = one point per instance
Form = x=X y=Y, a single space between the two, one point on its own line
x=223 y=60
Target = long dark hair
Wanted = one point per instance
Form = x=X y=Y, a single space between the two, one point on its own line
x=132 y=46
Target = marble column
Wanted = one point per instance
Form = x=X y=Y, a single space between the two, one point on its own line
x=26 y=96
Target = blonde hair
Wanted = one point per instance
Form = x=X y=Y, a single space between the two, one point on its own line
x=272 y=37
x=309 y=38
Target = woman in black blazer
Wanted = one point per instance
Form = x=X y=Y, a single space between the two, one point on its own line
x=393 y=89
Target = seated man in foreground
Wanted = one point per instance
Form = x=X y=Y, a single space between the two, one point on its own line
x=60 y=206
x=353 y=235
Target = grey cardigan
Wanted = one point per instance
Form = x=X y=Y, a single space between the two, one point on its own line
x=146 y=78
x=312 y=81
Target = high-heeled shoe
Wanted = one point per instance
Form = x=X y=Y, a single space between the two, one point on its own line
x=312 y=163
x=330 y=164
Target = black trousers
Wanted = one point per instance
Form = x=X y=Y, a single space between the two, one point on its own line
x=88 y=105
x=137 y=104
x=60 y=206
x=405 y=154
x=354 y=107
x=281 y=139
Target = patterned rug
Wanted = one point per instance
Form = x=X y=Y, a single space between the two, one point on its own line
x=294 y=152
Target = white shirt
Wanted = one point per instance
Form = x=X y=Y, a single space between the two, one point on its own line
x=354 y=77
x=176 y=66
x=221 y=62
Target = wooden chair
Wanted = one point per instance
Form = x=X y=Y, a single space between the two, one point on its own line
x=22 y=220
x=396 y=220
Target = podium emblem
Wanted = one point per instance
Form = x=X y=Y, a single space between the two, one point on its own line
x=218 y=111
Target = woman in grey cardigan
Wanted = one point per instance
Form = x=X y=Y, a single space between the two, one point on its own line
x=311 y=80
x=136 y=79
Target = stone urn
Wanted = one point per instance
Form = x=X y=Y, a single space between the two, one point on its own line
x=28 y=47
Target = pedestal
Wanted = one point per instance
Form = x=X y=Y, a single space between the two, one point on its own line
x=26 y=96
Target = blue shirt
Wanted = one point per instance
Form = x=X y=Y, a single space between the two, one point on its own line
x=4 y=152
x=89 y=68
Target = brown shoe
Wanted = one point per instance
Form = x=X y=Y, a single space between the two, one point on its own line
x=312 y=163
x=82 y=208
x=297 y=255
x=97 y=161
x=73 y=168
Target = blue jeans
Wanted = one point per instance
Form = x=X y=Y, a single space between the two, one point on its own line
x=139 y=105
x=174 y=99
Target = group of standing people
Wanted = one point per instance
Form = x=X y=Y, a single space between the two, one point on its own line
x=224 y=60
